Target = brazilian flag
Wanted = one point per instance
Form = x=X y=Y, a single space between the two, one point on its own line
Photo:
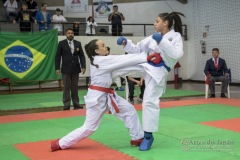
x=28 y=56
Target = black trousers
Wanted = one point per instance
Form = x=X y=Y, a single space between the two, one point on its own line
x=131 y=86
x=70 y=87
x=117 y=30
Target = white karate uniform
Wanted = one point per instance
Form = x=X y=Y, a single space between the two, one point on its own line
x=88 y=27
x=171 y=50
x=97 y=102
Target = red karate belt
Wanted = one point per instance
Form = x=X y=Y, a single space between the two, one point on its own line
x=106 y=90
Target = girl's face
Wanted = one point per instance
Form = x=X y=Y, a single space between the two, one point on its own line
x=102 y=49
x=160 y=25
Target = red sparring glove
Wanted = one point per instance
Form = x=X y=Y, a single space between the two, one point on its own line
x=156 y=58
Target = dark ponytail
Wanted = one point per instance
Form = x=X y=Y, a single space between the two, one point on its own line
x=90 y=50
x=173 y=19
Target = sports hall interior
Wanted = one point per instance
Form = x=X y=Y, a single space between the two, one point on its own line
x=191 y=126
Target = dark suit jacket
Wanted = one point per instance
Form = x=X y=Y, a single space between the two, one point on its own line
x=71 y=63
x=210 y=68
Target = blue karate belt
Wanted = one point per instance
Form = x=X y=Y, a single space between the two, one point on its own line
x=160 y=65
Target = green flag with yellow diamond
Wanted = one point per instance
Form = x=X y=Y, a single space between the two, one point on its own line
x=28 y=56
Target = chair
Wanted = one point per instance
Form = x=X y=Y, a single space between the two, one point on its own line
x=216 y=83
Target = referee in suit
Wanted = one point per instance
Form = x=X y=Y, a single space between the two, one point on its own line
x=71 y=57
x=217 y=69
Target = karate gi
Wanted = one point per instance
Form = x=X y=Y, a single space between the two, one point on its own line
x=98 y=102
x=171 y=50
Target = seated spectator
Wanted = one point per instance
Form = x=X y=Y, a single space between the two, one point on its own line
x=43 y=18
x=90 y=28
x=131 y=85
x=217 y=71
x=25 y=18
x=76 y=28
x=11 y=9
x=33 y=7
x=58 y=19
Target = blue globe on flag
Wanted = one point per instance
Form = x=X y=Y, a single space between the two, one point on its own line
x=18 y=59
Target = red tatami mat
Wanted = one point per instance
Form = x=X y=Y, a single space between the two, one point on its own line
x=224 y=101
x=229 y=124
x=41 y=116
x=81 y=151
x=182 y=103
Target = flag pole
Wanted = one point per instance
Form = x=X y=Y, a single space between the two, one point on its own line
x=92 y=9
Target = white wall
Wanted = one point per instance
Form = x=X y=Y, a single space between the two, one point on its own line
x=220 y=19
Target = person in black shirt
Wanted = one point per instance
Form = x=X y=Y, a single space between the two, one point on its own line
x=33 y=7
x=116 y=19
x=25 y=19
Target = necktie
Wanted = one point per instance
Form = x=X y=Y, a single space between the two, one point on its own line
x=216 y=63
x=71 y=46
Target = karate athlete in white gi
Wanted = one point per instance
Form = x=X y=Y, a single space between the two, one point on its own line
x=170 y=47
x=100 y=98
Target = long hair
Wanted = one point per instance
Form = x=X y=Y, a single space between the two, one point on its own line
x=174 y=20
x=90 y=50
x=90 y=18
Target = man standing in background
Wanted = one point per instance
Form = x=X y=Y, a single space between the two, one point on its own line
x=70 y=54
x=58 y=19
x=116 y=19
x=43 y=18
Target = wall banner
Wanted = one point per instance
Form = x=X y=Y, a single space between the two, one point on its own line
x=102 y=8
x=76 y=6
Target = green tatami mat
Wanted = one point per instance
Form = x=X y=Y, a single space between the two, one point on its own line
x=170 y=93
x=180 y=136
x=54 y=99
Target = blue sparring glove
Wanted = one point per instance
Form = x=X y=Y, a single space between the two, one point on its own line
x=157 y=37
x=121 y=39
